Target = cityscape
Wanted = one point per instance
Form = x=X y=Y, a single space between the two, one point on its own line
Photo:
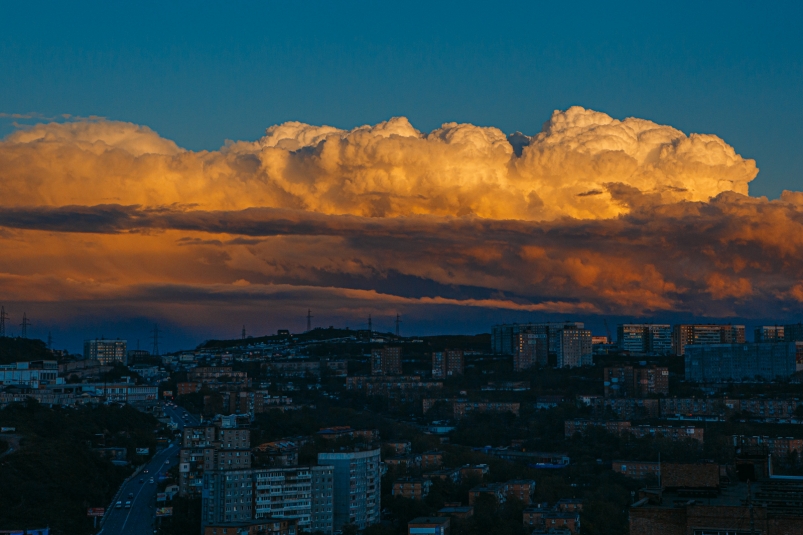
x=531 y=428
x=401 y=268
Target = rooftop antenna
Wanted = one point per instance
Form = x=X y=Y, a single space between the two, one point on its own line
x=25 y=324
x=243 y=332
x=309 y=320
x=370 y=325
x=155 y=337
x=398 y=322
x=3 y=318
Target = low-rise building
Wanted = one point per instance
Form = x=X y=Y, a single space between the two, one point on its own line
x=413 y=488
x=636 y=469
x=430 y=525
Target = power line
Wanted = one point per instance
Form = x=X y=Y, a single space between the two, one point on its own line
x=25 y=324
x=155 y=338
x=3 y=318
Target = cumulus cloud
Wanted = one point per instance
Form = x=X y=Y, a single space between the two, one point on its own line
x=386 y=170
x=590 y=216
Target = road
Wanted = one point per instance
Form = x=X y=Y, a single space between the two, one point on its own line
x=139 y=519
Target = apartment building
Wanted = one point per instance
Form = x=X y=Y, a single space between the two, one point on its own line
x=295 y=492
x=769 y=333
x=105 y=351
x=736 y=362
x=356 y=487
x=447 y=363
x=636 y=469
x=386 y=361
x=413 y=488
x=698 y=334
x=645 y=338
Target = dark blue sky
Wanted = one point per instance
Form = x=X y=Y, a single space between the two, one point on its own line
x=200 y=73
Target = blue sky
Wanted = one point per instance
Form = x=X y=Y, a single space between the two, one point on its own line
x=201 y=73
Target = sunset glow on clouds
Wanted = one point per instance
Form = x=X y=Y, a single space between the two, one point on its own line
x=591 y=215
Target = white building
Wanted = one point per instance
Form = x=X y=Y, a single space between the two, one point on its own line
x=301 y=492
x=30 y=374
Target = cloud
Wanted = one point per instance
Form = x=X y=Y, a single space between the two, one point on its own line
x=386 y=170
x=590 y=216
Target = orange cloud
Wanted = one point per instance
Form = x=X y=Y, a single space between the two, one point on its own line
x=590 y=216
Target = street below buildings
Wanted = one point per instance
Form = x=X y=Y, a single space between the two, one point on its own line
x=140 y=517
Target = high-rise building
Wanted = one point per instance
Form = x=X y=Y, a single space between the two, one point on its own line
x=357 y=487
x=573 y=347
x=645 y=338
x=300 y=492
x=322 y=514
x=105 y=351
x=722 y=362
x=227 y=496
x=386 y=361
x=505 y=342
x=561 y=344
x=447 y=363
x=695 y=334
x=769 y=333
x=793 y=333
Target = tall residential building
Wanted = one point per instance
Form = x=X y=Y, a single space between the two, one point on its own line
x=505 y=342
x=645 y=338
x=227 y=496
x=722 y=362
x=447 y=363
x=793 y=333
x=357 y=487
x=300 y=492
x=227 y=493
x=693 y=334
x=322 y=516
x=561 y=344
x=386 y=361
x=105 y=351
x=769 y=333
x=573 y=347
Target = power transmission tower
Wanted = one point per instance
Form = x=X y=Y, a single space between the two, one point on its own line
x=25 y=324
x=155 y=338
x=398 y=322
x=309 y=320
x=3 y=318
x=370 y=325
x=49 y=340
x=243 y=332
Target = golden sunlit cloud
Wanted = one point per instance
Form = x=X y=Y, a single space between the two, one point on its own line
x=590 y=216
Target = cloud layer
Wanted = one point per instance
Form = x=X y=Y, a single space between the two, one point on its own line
x=387 y=170
x=590 y=216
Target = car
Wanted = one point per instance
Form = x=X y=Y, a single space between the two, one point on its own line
x=118 y=505
x=130 y=495
x=128 y=504
x=145 y=471
x=150 y=480
x=142 y=481
x=167 y=461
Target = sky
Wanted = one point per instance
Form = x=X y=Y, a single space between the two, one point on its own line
x=144 y=177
